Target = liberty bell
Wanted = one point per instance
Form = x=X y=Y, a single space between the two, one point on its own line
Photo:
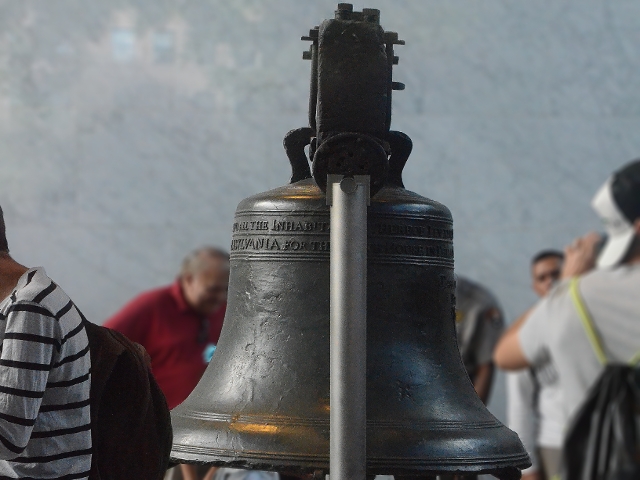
x=263 y=402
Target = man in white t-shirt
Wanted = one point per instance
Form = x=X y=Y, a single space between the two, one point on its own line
x=611 y=292
x=534 y=399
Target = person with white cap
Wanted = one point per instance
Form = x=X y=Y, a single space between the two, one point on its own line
x=604 y=271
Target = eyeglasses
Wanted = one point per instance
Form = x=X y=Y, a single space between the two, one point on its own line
x=553 y=275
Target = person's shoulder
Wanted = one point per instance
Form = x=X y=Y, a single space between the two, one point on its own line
x=37 y=294
x=35 y=287
x=34 y=281
x=470 y=292
x=552 y=304
x=559 y=291
x=152 y=296
x=141 y=306
x=611 y=277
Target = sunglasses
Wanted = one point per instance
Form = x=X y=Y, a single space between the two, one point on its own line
x=553 y=275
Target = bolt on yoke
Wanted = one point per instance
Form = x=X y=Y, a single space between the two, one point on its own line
x=350 y=98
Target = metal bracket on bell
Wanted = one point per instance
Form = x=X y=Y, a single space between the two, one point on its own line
x=351 y=154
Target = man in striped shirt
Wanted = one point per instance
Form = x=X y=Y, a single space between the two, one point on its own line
x=45 y=429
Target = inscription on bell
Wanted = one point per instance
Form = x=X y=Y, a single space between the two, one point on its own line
x=425 y=231
x=272 y=244
x=417 y=250
x=297 y=226
x=259 y=225
x=280 y=226
x=272 y=235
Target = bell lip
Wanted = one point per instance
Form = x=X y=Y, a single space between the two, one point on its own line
x=504 y=467
x=501 y=453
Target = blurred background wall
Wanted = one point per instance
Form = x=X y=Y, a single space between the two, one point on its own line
x=130 y=129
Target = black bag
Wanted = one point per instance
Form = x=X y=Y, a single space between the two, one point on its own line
x=130 y=423
x=603 y=438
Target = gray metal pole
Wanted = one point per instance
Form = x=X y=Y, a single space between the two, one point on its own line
x=348 y=197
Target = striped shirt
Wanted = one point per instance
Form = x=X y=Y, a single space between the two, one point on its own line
x=45 y=427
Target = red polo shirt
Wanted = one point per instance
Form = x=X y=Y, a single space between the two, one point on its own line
x=161 y=321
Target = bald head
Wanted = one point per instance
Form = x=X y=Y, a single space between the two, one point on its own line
x=200 y=258
x=204 y=278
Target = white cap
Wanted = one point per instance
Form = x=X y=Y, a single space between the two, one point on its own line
x=620 y=231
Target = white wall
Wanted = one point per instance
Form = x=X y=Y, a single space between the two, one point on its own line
x=130 y=129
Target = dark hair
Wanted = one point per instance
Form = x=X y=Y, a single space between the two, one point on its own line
x=4 y=246
x=632 y=250
x=544 y=254
x=625 y=189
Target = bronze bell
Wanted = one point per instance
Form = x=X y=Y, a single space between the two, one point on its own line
x=263 y=402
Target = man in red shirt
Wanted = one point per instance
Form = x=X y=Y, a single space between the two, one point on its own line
x=179 y=324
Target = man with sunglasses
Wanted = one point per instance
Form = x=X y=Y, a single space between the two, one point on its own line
x=534 y=401
x=546 y=267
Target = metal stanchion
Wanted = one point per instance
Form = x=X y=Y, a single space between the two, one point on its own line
x=348 y=198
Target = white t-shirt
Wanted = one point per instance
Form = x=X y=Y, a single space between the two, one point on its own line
x=550 y=409
x=554 y=329
x=534 y=409
x=522 y=412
